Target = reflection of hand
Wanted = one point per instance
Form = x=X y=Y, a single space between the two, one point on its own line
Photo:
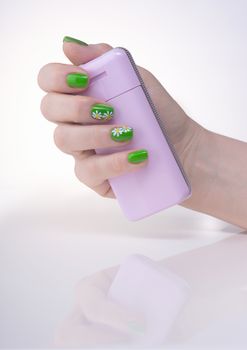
x=217 y=275
x=95 y=320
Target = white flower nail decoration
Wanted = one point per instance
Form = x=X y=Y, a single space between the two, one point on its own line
x=97 y=115
x=108 y=115
x=117 y=131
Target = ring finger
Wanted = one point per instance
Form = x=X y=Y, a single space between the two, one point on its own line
x=77 y=138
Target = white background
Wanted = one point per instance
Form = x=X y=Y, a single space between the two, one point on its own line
x=49 y=237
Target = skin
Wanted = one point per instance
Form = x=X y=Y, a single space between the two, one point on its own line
x=213 y=163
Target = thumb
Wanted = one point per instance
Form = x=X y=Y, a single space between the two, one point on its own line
x=79 y=52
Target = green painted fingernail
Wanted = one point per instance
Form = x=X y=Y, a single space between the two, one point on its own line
x=100 y=111
x=77 y=80
x=122 y=133
x=69 y=39
x=138 y=156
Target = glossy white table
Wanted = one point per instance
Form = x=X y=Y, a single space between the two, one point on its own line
x=50 y=240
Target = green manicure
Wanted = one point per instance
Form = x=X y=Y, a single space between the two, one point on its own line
x=123 y=133
x=100 y=111
x=138 y=156
x=69 y=39
x=77 y=80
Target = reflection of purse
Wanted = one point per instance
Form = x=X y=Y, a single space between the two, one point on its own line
x=114 y=78
x=144 y=286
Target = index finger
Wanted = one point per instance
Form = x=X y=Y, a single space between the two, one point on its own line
x=79 y=52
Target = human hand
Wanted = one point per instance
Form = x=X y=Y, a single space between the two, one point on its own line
x=211 y=161
x=79 y=134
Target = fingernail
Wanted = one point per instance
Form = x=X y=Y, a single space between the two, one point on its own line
x=100 y=111
x=77 y=80
x=122 y=133
x=138 y=156
x=69 y=39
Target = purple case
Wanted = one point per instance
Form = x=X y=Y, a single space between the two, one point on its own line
x=114 y=78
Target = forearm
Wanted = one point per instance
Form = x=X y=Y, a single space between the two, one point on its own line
x=218 y=174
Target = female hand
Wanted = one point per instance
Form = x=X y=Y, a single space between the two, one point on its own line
x=80 y=130
x=213 y=163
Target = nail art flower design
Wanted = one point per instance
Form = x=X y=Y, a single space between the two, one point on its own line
x=97 y=115
x=126 y=129
x=117 y=132
x=123 y=133
x=101 y=111
x=108 y=115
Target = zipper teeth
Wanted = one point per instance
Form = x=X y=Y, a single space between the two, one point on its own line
x=157 y=116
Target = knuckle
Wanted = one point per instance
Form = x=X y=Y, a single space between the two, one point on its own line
x=102 y=189
x=60 y=137
x=41 y=75
x=44 y=105
x=86 y=171
x=90 y=171
x=78 y=109
x=77 y=170
x=93 y=136
x=80 y=172
x=105 y=47
x=101 y=193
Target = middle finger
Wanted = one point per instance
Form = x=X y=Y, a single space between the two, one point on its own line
x=62 y=108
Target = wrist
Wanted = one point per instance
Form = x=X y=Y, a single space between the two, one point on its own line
x=199 y=160
x=217 y=173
